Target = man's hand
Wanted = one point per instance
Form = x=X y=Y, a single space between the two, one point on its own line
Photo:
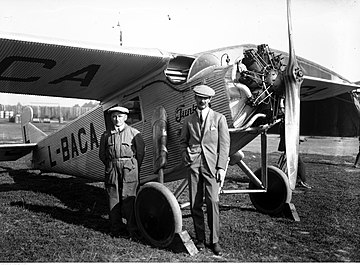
x=220 y=176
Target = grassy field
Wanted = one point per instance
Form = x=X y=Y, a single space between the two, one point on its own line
x=47 y=217
x=11 y=132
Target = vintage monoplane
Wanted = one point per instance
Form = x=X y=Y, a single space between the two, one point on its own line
x=156 y=87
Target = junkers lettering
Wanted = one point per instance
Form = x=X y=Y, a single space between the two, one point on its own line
x=182 y=112
x=83 y=75
x=76 y=144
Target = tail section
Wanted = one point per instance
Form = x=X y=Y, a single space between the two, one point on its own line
x=30 y=133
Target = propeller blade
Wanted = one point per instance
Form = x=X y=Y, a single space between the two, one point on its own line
x=293 y=79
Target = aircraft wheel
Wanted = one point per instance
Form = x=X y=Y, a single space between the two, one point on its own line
x=158 y=214
x=278 y=193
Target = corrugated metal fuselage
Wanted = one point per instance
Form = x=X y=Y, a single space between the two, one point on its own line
x=74 y=149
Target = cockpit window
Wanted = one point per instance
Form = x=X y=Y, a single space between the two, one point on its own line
x=203 y=62
x=178 y=69
x=135 y=114
x=183 y=68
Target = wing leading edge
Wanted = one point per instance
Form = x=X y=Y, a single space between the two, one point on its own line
x=29 y=65
x=64 y=69
x=314 y=88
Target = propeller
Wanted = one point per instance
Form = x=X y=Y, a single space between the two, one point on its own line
x=293 y=79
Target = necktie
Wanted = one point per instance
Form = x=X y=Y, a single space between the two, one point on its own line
x=201 y=119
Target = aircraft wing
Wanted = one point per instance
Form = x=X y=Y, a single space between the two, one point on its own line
x=12 y=152
x=314 y=88
x=48 y=67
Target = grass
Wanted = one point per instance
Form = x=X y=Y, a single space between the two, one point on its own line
x=55 y=218
x=47 y=217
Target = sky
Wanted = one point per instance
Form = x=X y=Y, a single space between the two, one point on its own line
x=324 y=31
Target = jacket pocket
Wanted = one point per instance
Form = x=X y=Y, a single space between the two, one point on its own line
x=130 y=178
x=130 y=171
x=110 y=174
x=126 y=150
x=193 y=152
x=213 y=127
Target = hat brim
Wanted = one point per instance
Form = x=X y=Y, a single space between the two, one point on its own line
x=203 y=95
x=119 y=109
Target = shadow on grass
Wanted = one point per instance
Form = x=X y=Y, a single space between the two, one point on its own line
x=74 y=217
x=84 y=203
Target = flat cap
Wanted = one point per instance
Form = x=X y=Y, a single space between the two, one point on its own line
x=204 y=91
x=119 y=109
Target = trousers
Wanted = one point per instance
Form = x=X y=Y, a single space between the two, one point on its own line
x=120 y=208
x=121 y=191
x=200 y=181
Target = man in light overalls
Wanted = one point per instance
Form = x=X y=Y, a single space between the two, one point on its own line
x=122 y=151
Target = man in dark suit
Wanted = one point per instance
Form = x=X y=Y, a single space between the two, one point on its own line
x=205 y=144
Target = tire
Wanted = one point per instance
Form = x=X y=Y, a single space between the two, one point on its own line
x=278 y=192
x=158 y=214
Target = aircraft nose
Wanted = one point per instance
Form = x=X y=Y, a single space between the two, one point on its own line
x=239 y=95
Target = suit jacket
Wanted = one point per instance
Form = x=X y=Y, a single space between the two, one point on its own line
x=214 y=141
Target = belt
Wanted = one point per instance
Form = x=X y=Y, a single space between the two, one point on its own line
x=121 y=159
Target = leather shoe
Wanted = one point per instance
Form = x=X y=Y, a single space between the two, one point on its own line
x=217 y=249
x=200 y=245
x=302 y=184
